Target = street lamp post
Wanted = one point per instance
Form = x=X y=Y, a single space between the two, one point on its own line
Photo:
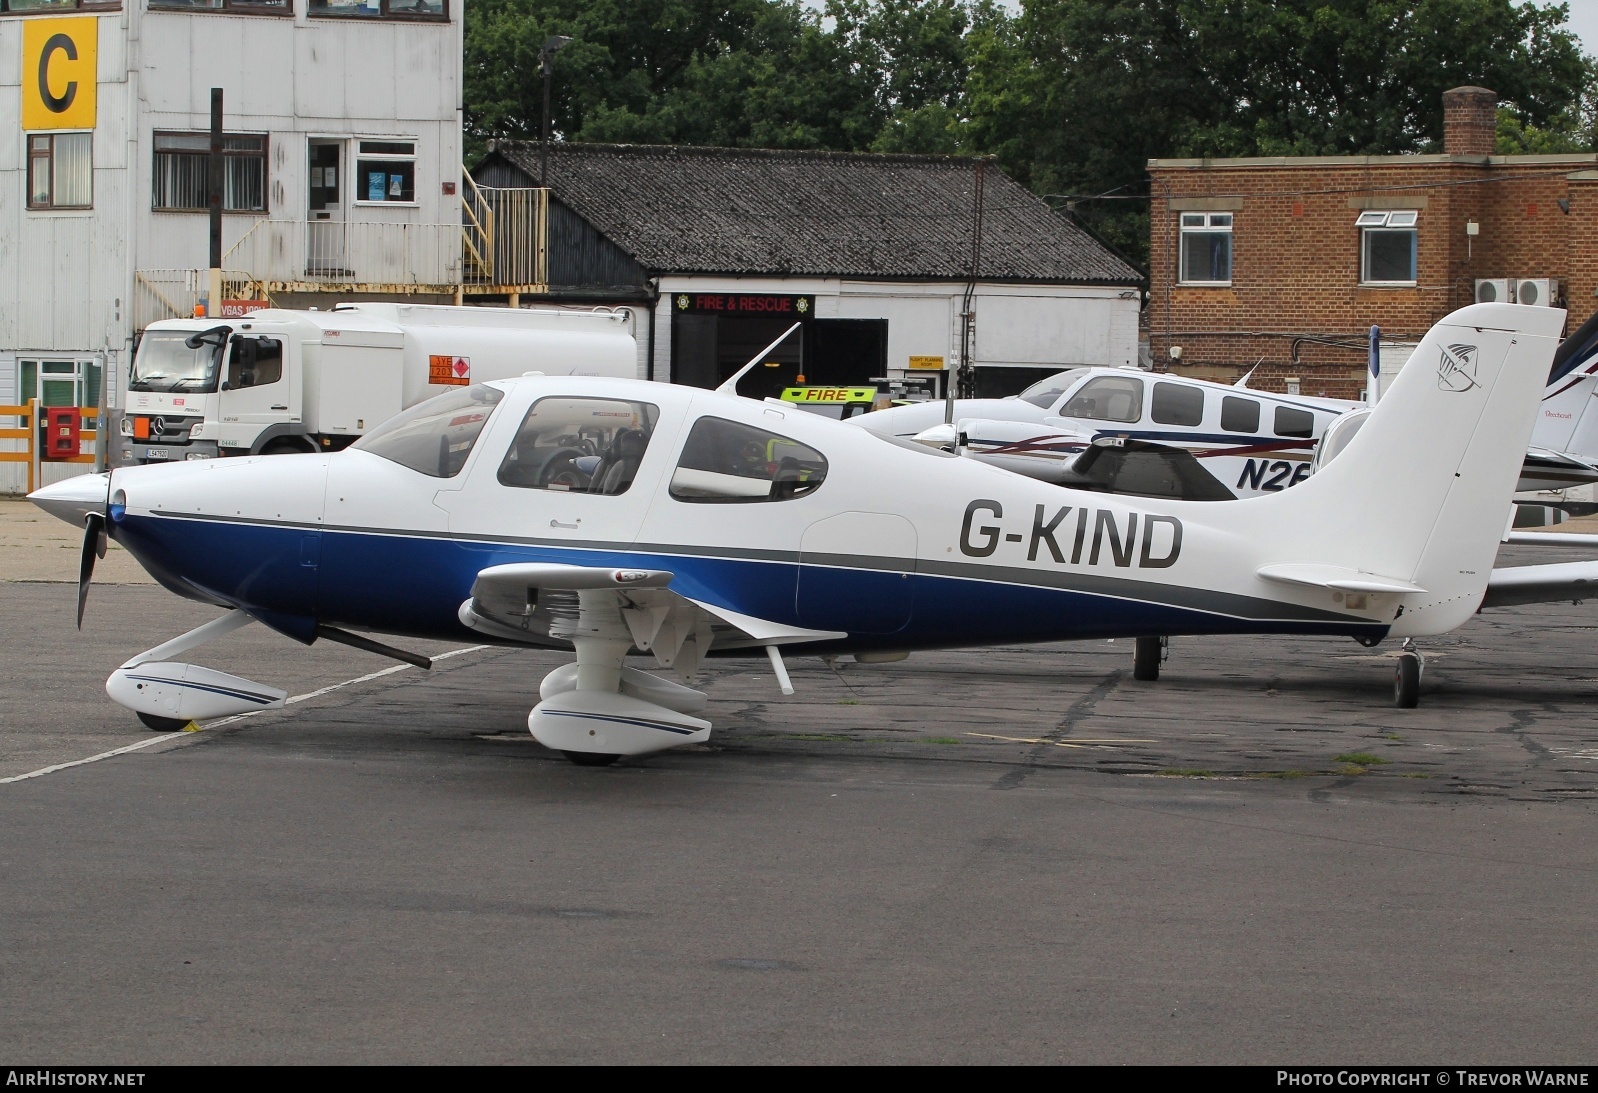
x=546 y=59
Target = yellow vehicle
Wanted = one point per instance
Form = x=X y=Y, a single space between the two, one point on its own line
x=837 y=403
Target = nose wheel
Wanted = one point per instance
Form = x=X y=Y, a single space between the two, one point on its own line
x=1406 y=677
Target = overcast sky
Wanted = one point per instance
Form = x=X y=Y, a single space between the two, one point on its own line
x=1584 y=21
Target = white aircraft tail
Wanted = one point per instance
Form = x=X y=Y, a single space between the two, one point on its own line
x=1420 y=496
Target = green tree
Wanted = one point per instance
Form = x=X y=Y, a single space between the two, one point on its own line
x=858 y=74
x=1077 y=95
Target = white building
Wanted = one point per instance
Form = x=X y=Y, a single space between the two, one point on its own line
x=342 y=168
x=725 y=248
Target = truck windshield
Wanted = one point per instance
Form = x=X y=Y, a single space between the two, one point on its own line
x=164 y=363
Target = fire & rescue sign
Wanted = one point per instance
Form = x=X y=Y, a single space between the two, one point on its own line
x=455 y=371
x=58 y=73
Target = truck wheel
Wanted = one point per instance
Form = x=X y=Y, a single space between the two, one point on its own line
x=1146 y=659
x=1406 y=681
x=163 y=724
x=286 y=447
x=590 y=758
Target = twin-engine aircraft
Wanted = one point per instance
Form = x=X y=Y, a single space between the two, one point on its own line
x=618 y=517
x=1122 y=430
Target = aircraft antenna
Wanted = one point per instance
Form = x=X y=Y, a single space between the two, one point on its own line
x=730 y=387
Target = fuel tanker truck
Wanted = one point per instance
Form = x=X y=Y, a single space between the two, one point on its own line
x=279 y=380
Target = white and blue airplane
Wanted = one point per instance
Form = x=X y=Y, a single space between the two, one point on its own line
x=1182 y=437
x=618 y=517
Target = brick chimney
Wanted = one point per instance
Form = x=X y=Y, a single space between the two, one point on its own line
x=1470 y=121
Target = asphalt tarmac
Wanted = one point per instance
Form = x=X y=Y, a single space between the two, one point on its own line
x=1001 y=855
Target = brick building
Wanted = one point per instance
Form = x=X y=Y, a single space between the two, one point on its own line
x=1286 y=263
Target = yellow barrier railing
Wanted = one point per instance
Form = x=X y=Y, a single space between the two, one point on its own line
x=28 y=432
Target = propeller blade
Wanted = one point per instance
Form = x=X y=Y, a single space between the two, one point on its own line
x=93 y=546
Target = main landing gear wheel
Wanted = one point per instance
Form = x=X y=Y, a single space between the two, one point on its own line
x=584 y=758
x=1406 y=681
x=163 y=724
x=1146 y=658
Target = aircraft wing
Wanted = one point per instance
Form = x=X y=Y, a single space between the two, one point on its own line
x=540 y=603
x=1574 y=581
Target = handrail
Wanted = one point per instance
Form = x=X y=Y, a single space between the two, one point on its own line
x=484 y=255
x=240 y=242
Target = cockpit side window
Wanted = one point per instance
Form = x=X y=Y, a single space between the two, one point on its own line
x=580 y=445
x=1107 y=398
x=436 y=436
x=728 y=462
x=254 y=362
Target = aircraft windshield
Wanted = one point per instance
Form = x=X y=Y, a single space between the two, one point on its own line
x=436 y=436
x=1046 y=393
x=164 y=363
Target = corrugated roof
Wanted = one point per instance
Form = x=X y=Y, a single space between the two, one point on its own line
x=754 y=211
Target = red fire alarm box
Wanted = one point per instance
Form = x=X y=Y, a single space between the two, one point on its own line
x=63 y=428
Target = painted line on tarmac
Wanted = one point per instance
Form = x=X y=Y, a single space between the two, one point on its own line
x=164 y=737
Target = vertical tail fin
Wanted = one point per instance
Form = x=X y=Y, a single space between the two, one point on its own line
x=1420 y=495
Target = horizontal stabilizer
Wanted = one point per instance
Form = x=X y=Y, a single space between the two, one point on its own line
x=1551 y=538
x=1542 y=583
x=1336 y=577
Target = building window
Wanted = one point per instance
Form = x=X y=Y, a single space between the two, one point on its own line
x=385 y=171
x=182 y=161
x=1206 y=248
x=29 y=7
x=247 y=7
x=1388 y=248
x=381 y=9
x=60 y=170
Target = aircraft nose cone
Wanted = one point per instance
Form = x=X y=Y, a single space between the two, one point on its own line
x=74 y=498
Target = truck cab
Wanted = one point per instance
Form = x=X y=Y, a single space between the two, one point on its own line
x=198 y=389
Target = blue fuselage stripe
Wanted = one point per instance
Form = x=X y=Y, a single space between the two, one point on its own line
x=414 y=585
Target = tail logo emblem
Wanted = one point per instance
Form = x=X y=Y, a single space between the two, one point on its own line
x=1456 y=371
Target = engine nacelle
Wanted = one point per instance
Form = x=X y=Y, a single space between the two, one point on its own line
x=188 y=692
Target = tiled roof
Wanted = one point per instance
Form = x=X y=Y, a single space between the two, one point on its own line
x=752 y=211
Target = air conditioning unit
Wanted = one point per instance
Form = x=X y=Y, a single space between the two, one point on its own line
x=1495 y=290
x=1538 y=291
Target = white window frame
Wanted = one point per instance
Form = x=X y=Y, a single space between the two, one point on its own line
x=1387 y=221
x=1191 y=223
x=358 y=157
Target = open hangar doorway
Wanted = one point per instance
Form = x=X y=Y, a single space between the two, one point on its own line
x=999 y=381
x=714 y=335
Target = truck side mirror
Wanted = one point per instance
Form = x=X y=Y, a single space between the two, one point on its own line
x=226 y=386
